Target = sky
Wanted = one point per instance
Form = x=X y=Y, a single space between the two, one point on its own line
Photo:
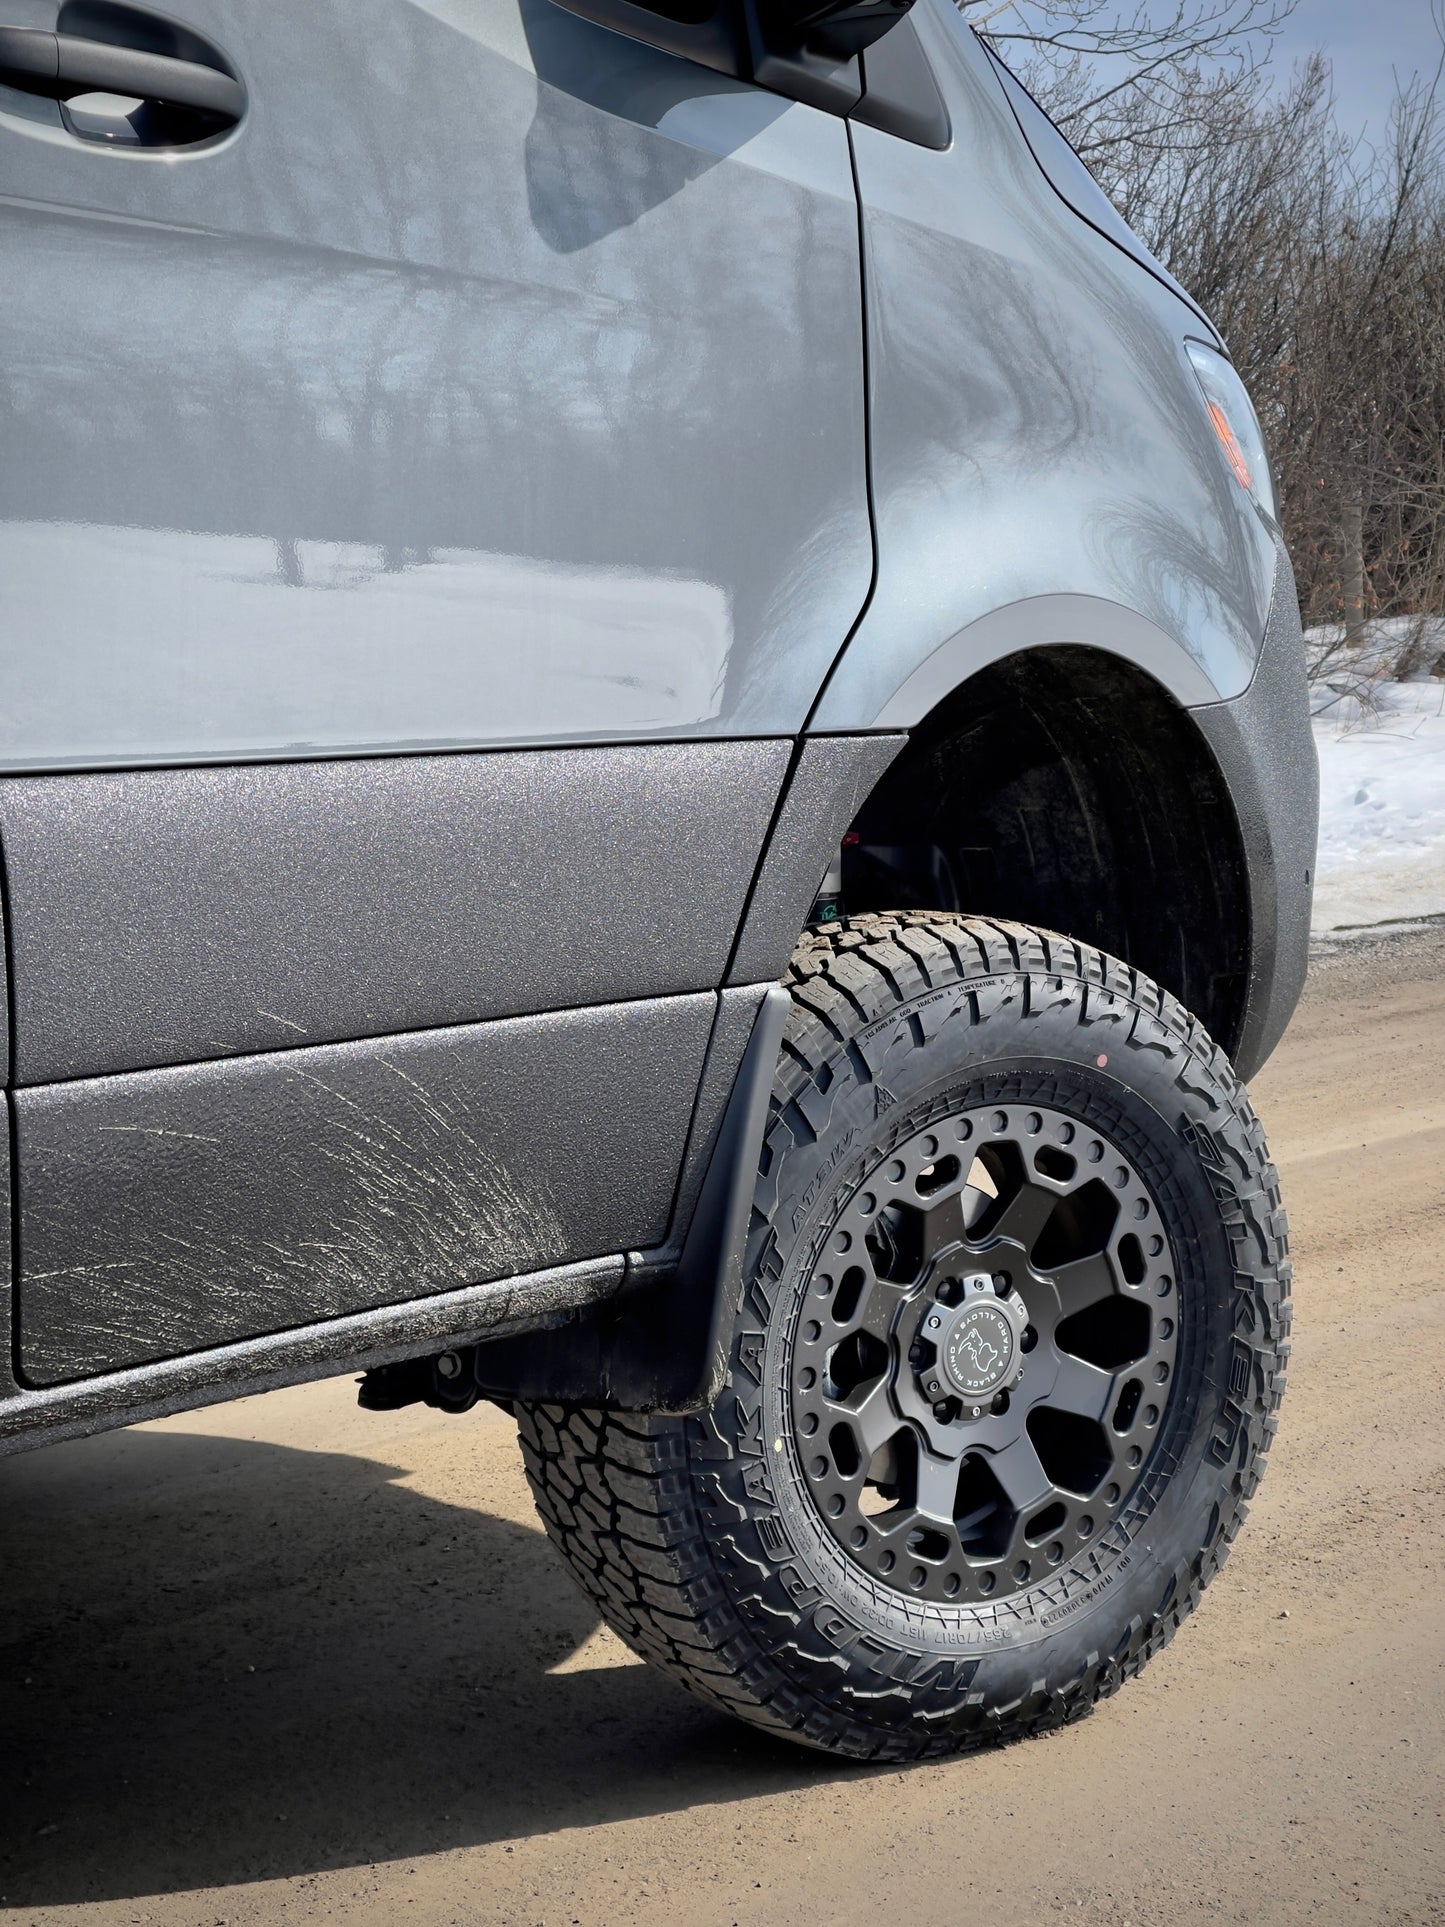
x=1364 y=40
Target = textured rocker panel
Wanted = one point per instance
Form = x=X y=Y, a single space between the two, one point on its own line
x=4 y=984
x=7 y=1254
x=169 y=1210
x=383 y=1336
x=832 y=781
x=165 y=916
x=737 y=1013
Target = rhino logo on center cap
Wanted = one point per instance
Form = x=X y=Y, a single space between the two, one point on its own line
x=978 y=1352
x=982 y=1355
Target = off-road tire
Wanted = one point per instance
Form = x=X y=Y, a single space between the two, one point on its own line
x=699 y=1539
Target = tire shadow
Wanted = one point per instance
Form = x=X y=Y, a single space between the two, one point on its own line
x=228 y=1661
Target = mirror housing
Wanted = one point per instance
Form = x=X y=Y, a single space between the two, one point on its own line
x=837 y=28
x=806 y=50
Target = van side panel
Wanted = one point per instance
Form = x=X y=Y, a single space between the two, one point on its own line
x=497 y=382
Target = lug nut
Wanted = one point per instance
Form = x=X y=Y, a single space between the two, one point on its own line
x=449 y=1365
x=941 y=1411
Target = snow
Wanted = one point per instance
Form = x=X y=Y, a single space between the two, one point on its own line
x=1381 y=745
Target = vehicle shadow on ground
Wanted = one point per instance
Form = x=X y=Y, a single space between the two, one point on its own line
x=226 y=1661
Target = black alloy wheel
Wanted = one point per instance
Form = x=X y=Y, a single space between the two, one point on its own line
x=1004 y=1369
x=984 y=1353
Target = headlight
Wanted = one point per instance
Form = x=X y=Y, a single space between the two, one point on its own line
x=1232 y=417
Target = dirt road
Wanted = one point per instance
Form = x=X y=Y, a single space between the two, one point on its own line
x=288 y=1662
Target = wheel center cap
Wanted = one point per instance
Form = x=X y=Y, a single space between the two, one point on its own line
x=980 y=1347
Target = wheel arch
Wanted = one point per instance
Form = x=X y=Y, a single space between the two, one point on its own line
x=1066 y=786
x=1043 y=622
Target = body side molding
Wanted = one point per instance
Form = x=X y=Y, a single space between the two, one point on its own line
x=418 y=1327
x=161 y=1212
x=167 y=916
x=830 y=782
x=660 y=1343
x=661 y=1347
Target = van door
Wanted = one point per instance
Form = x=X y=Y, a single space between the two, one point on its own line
x=435 y=499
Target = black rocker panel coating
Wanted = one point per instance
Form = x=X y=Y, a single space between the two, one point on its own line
x=168 y=1210
x=830 y=782
x=168 y=916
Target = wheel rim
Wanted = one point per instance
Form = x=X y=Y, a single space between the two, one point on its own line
x=984 y=1353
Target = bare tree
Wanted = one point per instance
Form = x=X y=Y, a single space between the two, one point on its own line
x=1127 y=82
x=1323 y=260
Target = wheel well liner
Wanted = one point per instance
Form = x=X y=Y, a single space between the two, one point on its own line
x=1065 y=788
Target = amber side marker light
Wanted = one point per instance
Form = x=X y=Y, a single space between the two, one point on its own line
x=1235 y=424
x=1233 y=453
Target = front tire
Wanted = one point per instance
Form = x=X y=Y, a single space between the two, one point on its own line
x=1004 y=1372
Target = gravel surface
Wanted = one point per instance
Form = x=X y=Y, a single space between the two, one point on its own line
x=287 y=1661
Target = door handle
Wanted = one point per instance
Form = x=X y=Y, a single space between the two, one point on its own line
x=60 y=65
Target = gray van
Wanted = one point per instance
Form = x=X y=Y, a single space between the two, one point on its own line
x=655 y=767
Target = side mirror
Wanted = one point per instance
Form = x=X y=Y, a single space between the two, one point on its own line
x=806 y=50
x=840 y=28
